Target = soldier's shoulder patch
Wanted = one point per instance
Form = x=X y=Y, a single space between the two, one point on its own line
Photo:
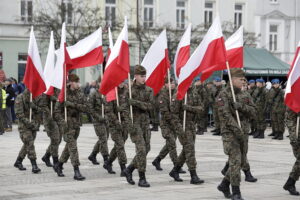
x=220 y=102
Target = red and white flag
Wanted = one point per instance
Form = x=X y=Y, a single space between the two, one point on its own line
x=111 y=95
x=294 y=60
x=87 y=52
x=183 y=51
x=117 y=66
x=234 y=53
x=156 y=63
x=49 y=66
x=63 y=59
x=292 y=90
x=34 y=78
x=210 y=53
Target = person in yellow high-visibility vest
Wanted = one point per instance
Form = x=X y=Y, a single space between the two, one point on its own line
x=2 y=109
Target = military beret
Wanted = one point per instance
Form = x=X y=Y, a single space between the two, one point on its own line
x=275 y=81
x=251 y=81
x=260 y=80
x=237 y=72
x=73 y=78
x=197 y=78
x=217 y=79
x=139 y=70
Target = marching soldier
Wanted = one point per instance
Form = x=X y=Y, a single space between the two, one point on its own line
x=233 y=136
x=215 y=92
x=251 y=89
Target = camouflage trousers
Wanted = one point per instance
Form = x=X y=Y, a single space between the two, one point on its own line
x=253 y=125
x=154 y=114
x=141 y=137
x=55 y=137
x=277 y=119
x=118 y=151
x=27 y=137
x=101 y=144
x=187 y=140
x=170 y=136
x=295 y=173
x=70 y=150
x=260 y=120
x=237 y=156
x=216 y=117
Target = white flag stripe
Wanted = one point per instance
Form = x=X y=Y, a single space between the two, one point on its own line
x=235 y=40
x=184 y=41
x=294 y=76
x=111 y=42
x=50 y=62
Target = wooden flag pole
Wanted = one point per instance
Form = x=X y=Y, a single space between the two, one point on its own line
x=51 y=107
x=130 y=97
x=65 y=87
x=297 y=127
x=184 y=112
x=118 y=104
x=169 y=81
x=233 y=95
x=30 y=109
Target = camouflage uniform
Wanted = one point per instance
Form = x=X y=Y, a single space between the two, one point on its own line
x=27 y=129
x=275 y=99
x=215 y=92
x=291 y=123
x=253 y=125
x=95 y=103
x=202 y=118
x=154 y=114
x=259 y=98
x=235 y=139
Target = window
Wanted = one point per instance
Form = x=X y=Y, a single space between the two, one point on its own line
x=26 y=11
x=148 y=13
x=273 y=37
x=22 y=59
x=208 y=14
x=110 y=12
x=67 y=9
x=180 y=14
x=238 y=15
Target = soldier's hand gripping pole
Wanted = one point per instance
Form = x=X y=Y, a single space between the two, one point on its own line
x=233 y=95
x=130 y=97
x=184 y=112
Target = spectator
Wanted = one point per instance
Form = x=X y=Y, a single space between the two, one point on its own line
x=21 y=87
x=86 y=89
x=93 y=87
x=10 y=100
x=2 y=108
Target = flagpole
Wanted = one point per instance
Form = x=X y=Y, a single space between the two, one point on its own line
x=118 y=104
x=297 y=127
x=102 y=96
x=130 y=97
x=169 y=81
x=233 y=95
x=30 y=109
x=184 y=112
x=65 y=87
x=51 y=107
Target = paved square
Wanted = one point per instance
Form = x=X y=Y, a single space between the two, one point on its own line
x=270 y=161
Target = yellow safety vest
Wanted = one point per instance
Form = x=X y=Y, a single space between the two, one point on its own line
x=3 y=99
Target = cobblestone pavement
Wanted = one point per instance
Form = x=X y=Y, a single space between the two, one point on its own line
x=270 y=161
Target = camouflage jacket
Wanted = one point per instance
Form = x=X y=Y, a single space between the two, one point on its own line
x=95 y=102
x=275 y=99
x=165 y=107
x=259 y=96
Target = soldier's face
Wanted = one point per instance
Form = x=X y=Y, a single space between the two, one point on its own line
x=276 y=85
x=140 y=79
x=258 y=84
x=238 y=82
x=74 y=85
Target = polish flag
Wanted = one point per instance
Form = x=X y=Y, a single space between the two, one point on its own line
x=63 y=59
x=117 y=66
x=210 y=53
x=156 y=63
x=234 y=53
x=292 y=97
x=87 y=52
x=111 y=95
x=34 y=77
x=294 y=60
x=183 y=51
x=49 y=66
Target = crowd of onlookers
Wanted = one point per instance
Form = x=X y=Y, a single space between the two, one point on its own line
x=10 y=89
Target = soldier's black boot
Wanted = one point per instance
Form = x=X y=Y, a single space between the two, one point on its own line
x=58 y=167
x=249 y=177
x=175 y=174
x=280 y=136
x=93 y=159
x=128 y=174
x=143 y=182
x=155 y=127
x=77 y=174
x=261 y=134
x=194 y=178
x=199 y=131
x=218 y=132
x=272 y=134
x=181 y=171
x=225 y=169
x=123 y=167
x=18 y=164
x=46 y=159
x=35 y=168
x=224 y=187
x=290 y=186
x=156 y=163
x=257 y=134
x=108 y=166
x=275 y=135
x=214 y=130
x=236 y=193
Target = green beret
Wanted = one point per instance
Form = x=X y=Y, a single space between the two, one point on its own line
x=237 y=72
x=73 y=78
x=139 y=70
